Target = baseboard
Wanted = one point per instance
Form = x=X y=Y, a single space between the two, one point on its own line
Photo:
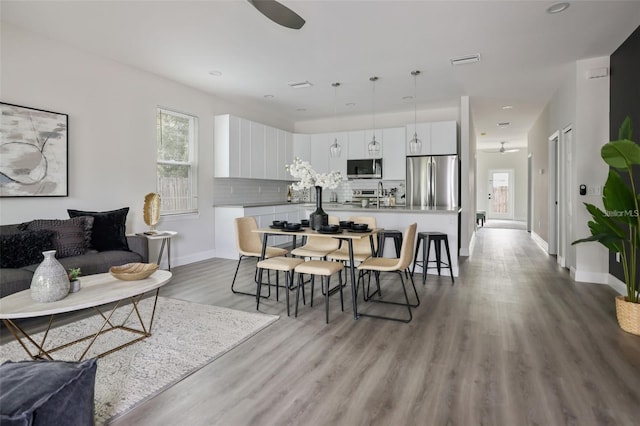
x=193 y=258
x=542 y=243
x=465 y=251
x=598 y=278
x=617 y=285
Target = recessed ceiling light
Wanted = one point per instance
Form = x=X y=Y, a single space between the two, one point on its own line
x=467 y=59
x=351 y=104
x=507 y=107
x=299 y=84
x=558 y=7
x=268 y=96
x=215 y=73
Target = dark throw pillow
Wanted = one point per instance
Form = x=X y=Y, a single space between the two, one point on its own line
x=71 y=236
x=24 y=248
x=47 y=392
x=109 y=229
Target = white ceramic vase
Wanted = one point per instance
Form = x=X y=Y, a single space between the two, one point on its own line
x=50 y=281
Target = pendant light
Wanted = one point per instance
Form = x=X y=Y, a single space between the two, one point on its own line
x=374 y=146
x=415 y=144
x=335 y=149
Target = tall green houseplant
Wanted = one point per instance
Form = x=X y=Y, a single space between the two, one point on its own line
x=618 y=227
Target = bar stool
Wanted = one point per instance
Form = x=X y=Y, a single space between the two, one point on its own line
x=389 y=233
x=323 y=268
x=437 y=238
x=284 y=264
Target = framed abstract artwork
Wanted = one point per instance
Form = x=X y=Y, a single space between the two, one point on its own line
x=33 y=152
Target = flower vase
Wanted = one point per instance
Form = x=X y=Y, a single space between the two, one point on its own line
x=50 y=281
x=318 y=217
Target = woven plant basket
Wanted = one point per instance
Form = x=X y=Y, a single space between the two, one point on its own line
x=628 y=315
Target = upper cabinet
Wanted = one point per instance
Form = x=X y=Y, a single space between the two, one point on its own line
x=393 y=160
x=355 y=145
x=246 y=149
x=302 y=146
x=438 y=138
x=444 y=137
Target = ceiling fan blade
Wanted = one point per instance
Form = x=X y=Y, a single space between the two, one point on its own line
x=512 y=150
x=278 y=13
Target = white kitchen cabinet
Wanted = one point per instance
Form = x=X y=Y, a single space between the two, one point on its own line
x=424 y=134
x=226 y=146
x=302 y=146
x=444 y=137
x=320 y=152
x=271 y=160
x=257 y=150
x=355 y=145
x=246 y=149
x=285 y=154
x=394 y=159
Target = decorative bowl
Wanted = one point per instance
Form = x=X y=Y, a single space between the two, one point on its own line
x=133 y=271
x=292 y=226
x=280 y=223
x=346 y=223
x=304 y=222
x=359 y=226
x=329 y=228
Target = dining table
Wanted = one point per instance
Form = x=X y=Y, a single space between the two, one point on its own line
x=346 y=235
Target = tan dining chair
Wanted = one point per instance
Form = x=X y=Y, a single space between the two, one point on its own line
x=397 y=265
x=318 y=247
x=361 y=248
x=249 y=245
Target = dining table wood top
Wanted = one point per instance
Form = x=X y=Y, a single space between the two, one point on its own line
x=308 y=232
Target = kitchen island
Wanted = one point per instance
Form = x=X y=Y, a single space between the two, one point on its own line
x=433 y=219
x=396 y=217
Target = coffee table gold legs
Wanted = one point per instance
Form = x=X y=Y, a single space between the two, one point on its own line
x=23 y=337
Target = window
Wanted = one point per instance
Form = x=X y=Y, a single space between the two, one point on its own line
x=177 y=183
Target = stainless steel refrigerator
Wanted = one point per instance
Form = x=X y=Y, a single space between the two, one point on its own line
x=432 y=181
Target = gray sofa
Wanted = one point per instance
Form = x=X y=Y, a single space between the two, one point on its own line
x=90 y=262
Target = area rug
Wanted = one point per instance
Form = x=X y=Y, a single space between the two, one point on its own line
x=185 y=337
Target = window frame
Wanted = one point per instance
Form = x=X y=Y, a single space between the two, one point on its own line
x=191 y=163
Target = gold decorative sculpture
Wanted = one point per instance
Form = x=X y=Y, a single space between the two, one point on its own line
x=151 y=211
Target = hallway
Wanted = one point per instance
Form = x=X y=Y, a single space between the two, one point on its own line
x=514 y=341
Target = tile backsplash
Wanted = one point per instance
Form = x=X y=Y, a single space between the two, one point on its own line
x=239 y=191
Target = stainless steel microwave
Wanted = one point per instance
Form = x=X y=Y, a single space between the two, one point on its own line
x=364 y=169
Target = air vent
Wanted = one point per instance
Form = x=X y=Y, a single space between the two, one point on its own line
x=468 y=59
x=504 y=124
x=300 y=84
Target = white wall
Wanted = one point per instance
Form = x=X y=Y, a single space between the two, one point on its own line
x=467 y=176
x=590 y=132
x=491 y=161
x=112 y=134
x=584 y=105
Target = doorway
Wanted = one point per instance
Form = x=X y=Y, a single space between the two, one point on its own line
x=501 y=200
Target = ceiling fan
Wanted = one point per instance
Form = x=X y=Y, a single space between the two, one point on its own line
x=503 y=150
x=278 y=13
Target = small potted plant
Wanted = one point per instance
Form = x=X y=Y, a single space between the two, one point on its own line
x=74 y=273
x=618 y=227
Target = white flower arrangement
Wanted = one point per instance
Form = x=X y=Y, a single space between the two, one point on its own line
x=308 y=177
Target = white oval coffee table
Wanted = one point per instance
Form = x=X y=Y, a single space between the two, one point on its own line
x=97 y=290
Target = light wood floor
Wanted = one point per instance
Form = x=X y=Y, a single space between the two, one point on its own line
x=513 y=342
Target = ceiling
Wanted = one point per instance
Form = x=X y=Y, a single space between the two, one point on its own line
x=525 y=52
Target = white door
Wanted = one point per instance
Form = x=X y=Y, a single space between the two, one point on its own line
x=501 y=194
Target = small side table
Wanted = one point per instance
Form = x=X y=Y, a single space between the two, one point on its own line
x=166 y=237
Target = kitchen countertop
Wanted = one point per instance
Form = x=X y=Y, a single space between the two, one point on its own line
x=353 y=207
